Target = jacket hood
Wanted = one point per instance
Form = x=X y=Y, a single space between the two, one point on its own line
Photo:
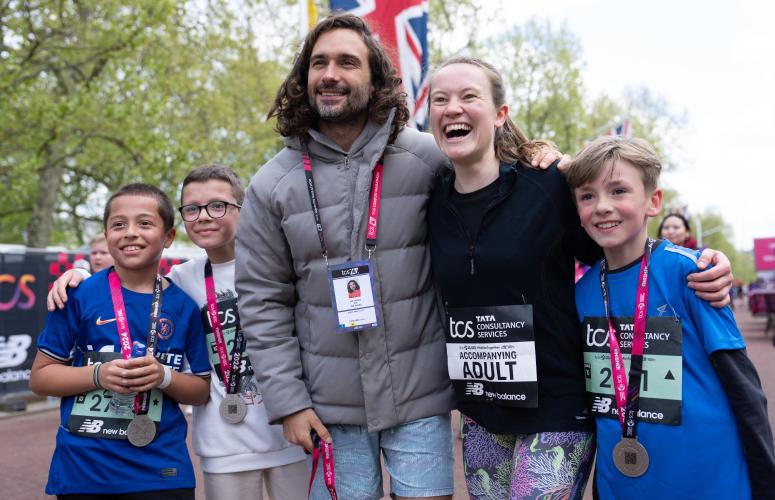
x=370 y=143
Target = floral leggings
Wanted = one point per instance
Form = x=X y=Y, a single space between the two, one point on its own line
x=546 y=465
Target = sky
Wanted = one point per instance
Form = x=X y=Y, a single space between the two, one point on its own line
x=713 y=60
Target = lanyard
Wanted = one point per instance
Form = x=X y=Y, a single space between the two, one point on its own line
x=229 y=370
x=374 y=201
x=628 y=396
x=125 y=337
x=327 y=450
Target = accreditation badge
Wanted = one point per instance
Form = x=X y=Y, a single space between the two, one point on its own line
x=352 y=296
x=491 y=355
x=661 y=382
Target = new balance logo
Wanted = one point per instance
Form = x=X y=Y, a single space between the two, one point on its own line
x=601 y=405
x=474 y=389
x=92 y=426
x=101 y=321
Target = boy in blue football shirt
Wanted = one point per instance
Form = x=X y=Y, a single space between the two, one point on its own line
x=84 y=357
x=679 y=407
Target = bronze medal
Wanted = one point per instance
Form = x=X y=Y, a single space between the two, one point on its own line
x=141 y=431
x=631 y=457
x=233 y=409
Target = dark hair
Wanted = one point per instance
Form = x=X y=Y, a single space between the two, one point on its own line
x=295 y=116
x=608 y=149
x=214 y=171
x=511 y=143
x=677 y=215
x=166 y=212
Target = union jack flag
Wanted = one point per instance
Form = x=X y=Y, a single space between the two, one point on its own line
x=402 y=27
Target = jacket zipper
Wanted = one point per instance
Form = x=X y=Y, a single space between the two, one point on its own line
x=472 y=243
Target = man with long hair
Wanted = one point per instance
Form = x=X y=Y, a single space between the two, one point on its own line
x=381 y=390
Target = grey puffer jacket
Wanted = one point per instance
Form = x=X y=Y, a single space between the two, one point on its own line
x=379 y=377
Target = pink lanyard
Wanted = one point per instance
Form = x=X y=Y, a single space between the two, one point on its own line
x=374 y=201
x=229 y=370
x=327 y=450
x=628 y=394
x=124 y=335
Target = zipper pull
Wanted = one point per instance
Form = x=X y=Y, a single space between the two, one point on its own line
x=347 y=162
x=471 y=259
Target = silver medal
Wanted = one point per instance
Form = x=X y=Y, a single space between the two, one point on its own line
x=233 y=409
x=141 y=431
x=631 y=457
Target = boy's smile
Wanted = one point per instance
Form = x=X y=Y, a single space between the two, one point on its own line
x=136 y=235
x=613 y=210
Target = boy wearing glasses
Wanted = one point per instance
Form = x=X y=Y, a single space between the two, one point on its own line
x=239 y=450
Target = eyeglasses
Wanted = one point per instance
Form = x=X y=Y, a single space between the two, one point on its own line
x=215 y=209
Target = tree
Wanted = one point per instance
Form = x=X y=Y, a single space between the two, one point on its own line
x=101 y=93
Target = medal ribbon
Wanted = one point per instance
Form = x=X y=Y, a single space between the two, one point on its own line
x=374 y=202
x=125 y=336
x=327 y=450
x=628 y=396
x=229 y=370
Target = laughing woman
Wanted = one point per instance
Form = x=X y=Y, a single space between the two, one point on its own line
x=503 y=241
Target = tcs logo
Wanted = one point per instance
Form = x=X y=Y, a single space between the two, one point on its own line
x=596 y=337
x=461 y=329
x=22 y=296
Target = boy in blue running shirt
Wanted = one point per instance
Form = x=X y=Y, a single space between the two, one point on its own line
x=83 y=357
x=679 y=407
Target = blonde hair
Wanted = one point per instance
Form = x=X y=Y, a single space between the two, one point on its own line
x=511 y=143
x=607 y=150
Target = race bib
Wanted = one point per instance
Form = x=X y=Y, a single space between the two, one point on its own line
x=660 y=392
x=491 y=355
x=352 y=296
x=91 y=415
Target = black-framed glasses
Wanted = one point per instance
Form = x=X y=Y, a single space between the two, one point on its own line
x=215 y=209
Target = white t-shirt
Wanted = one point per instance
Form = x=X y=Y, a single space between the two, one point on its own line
x=251 y=444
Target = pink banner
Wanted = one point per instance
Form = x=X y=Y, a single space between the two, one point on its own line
x=764 y=254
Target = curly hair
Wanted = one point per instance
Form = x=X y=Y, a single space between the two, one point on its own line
x=295 y=116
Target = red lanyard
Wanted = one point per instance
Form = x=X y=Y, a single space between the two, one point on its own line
x=229 y=370
x=124 y=335
x=628 y=395
x=327 y=450
x=374 y=201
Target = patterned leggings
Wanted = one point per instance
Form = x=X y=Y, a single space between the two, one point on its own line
x=545 y=466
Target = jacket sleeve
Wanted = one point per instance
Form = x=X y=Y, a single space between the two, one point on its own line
x=264 y=279
x=749 y=404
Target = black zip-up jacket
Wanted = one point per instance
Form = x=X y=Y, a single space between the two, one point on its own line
x=523 y=253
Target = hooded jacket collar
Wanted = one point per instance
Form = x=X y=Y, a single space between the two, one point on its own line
x=369 y=144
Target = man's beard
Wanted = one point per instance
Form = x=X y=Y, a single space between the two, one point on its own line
x=356 y=102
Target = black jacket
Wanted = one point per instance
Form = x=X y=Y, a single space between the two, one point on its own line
x=523 y=253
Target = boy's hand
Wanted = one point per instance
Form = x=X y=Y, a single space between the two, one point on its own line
x=57 y=296
x=143 y=373
x=713 y=285
x=131 y=375
x=547 y=155
x=298 y=426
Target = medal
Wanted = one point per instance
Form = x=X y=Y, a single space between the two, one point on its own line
x=631 y=457
x=141 y=431
x=233 y=409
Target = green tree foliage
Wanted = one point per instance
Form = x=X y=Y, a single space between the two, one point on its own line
x=100 y=93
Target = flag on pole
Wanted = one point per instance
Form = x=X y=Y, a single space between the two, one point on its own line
x=308 y=17
x=622 y=129
x=402 y=27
